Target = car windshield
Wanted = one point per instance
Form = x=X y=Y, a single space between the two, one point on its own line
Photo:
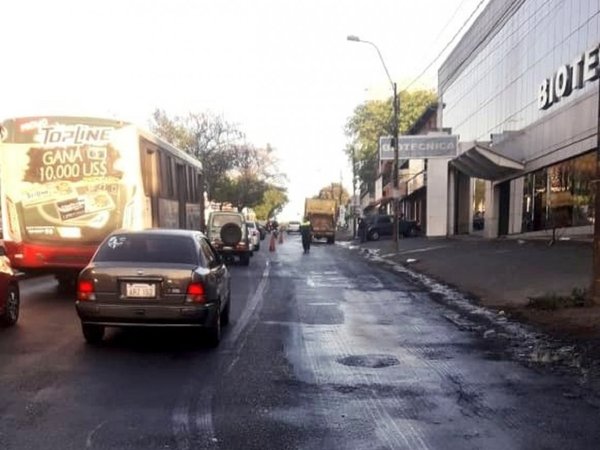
x=148 y=248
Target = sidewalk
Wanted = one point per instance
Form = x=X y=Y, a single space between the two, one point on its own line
x=504 y=274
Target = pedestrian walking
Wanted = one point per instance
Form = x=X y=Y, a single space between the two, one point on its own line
x=362 y=229
x=306 y=232
x=273 y=227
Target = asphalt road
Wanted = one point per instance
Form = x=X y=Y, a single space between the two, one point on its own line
x=324 y=351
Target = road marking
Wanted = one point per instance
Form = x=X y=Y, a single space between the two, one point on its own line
x=424 y=249
x=89 y=442
x=202 y=416
x=251 y=306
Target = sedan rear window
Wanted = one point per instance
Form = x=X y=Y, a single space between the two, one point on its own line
x=148 y=248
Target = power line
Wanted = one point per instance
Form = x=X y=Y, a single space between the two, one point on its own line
x=439 y=35
x=446 y=46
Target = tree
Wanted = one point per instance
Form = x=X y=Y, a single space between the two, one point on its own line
x=334 y=191
x=255 y=172
x=273 y=201
x=235 y=171
x=374 y=119
x=208 y=137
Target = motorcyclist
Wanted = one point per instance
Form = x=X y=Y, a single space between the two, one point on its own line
x=306 y=232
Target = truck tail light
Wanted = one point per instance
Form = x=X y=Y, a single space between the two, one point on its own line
x=195 y=293
x=85 y=290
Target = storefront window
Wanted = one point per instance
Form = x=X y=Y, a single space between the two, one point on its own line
x=560 y=196
x=478 y=204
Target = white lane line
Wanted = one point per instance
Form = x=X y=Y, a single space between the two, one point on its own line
x=202 y=416
x=251 y=307
x=180 y=420
x=89 y=442
x=424 y=249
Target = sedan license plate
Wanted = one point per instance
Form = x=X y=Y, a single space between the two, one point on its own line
x=140 y=290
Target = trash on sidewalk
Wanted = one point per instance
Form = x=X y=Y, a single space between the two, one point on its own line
x=411 y=260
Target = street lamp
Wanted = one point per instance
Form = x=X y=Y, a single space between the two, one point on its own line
x=396 y=109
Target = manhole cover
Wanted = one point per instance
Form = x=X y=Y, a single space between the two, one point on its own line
x=373 y=361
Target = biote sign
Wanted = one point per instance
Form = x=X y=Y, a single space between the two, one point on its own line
x=419 y=147
x=568 y=77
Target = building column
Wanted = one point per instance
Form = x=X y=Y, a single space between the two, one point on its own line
x=437 y=197
x=451 y=203
x=516 y=206
x=465 y=203
x=492 y=209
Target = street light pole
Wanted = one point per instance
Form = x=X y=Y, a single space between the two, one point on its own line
x=395 y=131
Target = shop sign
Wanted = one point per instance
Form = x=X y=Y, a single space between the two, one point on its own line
x=568 y=77
x=419 y=147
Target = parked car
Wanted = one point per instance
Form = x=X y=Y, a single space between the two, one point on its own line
x=154 y=278
x=382 y=225
x=228 y=234
x=254 y=235
x=293 y=227
x=378 y=225
x=9 y=292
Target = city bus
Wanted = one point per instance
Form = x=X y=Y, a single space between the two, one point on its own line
x=67 y=182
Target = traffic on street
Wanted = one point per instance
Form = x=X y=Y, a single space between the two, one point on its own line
x=309 y=225
x=323 y=350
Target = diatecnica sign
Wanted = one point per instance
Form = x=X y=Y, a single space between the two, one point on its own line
x=568 y=77
x=419 y=147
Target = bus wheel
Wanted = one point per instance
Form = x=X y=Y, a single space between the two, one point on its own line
x=11 y=308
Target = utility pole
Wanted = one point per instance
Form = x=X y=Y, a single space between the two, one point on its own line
x=353 y=191
x=395 y=128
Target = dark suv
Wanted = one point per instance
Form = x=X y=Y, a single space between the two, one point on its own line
x=378 y=225
x=228 y=234
x=382 y=225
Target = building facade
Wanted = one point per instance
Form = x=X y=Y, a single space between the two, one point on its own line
x=521 y=91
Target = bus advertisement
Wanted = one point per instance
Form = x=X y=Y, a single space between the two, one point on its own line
x=66 y=182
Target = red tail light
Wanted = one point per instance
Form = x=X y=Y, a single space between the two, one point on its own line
x=195 y=293
x=85 y=290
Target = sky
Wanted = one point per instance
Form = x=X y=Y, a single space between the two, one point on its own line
x=282 y=71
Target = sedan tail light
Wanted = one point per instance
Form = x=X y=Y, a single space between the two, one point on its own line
x=85 y=290
x=195 y=293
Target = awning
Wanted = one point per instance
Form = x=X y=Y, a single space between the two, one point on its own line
x=480 y=161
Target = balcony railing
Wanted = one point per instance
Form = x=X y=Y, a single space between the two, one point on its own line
x=416 y=182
